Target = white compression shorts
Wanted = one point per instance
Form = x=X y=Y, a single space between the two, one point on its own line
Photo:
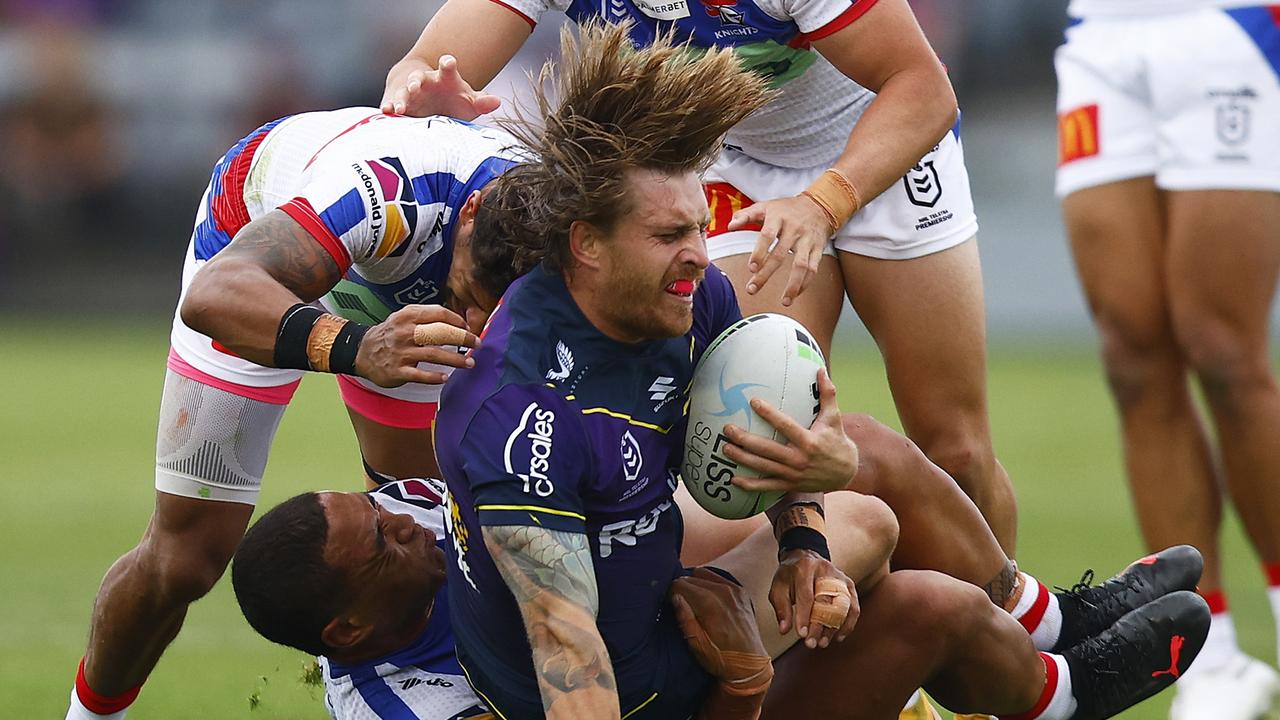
x=927 y=211
x=1191 y=98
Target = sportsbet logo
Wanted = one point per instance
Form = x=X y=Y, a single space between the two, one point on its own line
x=1078 y=134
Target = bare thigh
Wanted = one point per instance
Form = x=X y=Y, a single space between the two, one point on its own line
x=927 y=317
x=398 y=452
x=817 y=308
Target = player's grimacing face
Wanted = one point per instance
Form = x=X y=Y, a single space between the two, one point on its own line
x=392 y=564
x=656 y=255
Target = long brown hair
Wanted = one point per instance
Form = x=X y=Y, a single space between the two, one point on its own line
x=663 y=107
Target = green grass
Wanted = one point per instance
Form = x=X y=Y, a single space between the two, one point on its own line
x=78 y=429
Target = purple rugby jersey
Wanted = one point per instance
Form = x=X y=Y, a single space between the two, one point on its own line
x=559 y=426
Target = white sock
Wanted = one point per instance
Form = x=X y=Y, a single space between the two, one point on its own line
x=77 y=711
x=1037 y=609
x=1219 y=647
x=1061 y=703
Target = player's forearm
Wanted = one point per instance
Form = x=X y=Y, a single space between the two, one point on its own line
x=551 y=577
x=239 y=305
x=240 y=296
x=911 y=113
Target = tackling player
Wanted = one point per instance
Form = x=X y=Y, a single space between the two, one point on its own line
x=372 y=216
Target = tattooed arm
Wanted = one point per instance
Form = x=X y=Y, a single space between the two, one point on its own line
x=550 y=574
x=239 y=297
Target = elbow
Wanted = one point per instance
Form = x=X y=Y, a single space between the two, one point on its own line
x=199 y=304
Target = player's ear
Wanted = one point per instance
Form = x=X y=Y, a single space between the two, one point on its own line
x=343 y=633
x=467 y=212
x=585 y=243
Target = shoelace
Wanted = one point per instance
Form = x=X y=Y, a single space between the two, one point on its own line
x=1078 y=590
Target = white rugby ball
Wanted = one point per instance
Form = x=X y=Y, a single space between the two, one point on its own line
x=768 y=356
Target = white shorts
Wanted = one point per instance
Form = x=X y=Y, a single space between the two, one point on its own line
x=1190 y=98
x=927 y=211
x=400 y=694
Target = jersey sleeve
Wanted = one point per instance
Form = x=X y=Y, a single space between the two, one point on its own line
x=525 y=457
x=818 y=19
x=351 y=209
x=531 y=10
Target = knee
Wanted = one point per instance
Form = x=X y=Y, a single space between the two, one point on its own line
x=1228 y=364
x=1142 y=362
x=967 y=457
x=180 y=571
x=888 y=461
x=863 y=531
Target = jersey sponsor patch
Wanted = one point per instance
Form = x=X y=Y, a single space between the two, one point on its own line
x=1078 y=134
x=663 y=9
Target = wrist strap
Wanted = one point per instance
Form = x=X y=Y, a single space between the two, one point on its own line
x=805 y=513
x=311 y=339
x=835 y=195
x=803 y=538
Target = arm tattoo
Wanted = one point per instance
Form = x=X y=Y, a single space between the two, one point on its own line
x=551 y=576
x=279 y=245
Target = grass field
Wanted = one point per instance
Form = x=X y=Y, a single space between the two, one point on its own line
x=77 y=432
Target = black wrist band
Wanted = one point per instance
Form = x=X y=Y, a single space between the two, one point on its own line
x=342 y=357
x=803 y=538
x=291 y=338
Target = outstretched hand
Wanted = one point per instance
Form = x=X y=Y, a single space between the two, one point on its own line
x=819 y=458
x=391 y=350
x=435 y=91
x=793 y=226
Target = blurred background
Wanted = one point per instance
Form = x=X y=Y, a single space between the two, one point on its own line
x=113 y=112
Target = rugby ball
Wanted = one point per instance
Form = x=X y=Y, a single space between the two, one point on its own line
x=768 y=356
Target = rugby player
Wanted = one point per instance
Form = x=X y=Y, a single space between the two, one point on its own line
x=372 y=216
x=862 y=144
x=355 y=577
x=561 y=465
x=1169 y=175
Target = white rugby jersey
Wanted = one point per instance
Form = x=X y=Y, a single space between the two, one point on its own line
x=1132 y=8
x=379 y=192
x=809 y=123
x=422 y=681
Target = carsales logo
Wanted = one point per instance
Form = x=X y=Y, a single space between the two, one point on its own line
x=536 y=426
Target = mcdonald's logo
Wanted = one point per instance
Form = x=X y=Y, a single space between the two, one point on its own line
x=1078 y=134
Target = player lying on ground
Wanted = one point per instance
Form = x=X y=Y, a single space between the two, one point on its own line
x=368 y=214
x=355 y=577
x=561 y=469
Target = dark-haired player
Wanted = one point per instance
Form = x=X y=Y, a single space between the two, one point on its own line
x=326 y=241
